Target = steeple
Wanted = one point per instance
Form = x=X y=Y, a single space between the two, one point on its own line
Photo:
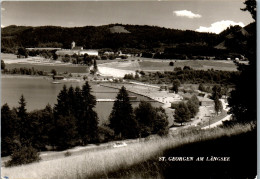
x=73 y=44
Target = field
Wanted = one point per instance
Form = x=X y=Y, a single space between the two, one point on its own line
x=145 y=64
x=48 y=68
x=117 y=67
x=137 y=160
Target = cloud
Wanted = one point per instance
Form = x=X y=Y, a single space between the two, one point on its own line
x=2 y=9
x=2 y=26
x=219 y=26
x=185 y=13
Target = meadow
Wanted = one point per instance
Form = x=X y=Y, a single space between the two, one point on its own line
x=153 y=65
x=137 y=160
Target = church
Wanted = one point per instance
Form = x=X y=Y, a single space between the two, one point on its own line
x=77 y=50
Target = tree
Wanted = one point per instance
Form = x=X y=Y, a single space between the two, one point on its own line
x=121 y=118
x=242 y=100
x=201 y=87
x=175 y=85
x=145 y=115
x=2 y=65
x=182 y=113
x=54 y=72
x=22 y=114
x=160 y=124
x=218 y=105
x=95 y=66
x=251 y=7
x=193 y=106
x=48 y=131
x=186 y=68
x=62 y=107
x=23 y=155
x=9 y=130
x=71 y=101
x=88 y=123
x=22 y=51
x=55 y=56
x=216 y=92
x=66 y=132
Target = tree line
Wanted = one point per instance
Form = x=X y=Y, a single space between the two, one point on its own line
x=73 y=121
x=24 y=71
x=188 y=75
x=140 y=37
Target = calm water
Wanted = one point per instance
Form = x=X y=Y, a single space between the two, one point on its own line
x=39 y=92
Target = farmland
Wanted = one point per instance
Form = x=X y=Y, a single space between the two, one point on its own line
x=153 y=65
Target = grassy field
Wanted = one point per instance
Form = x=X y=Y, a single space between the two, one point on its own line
x=138 y=160
x=145 y=64
x=132 y=63
x=48 y=68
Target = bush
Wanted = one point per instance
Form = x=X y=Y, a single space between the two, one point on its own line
x=142 y=73
x=23 y=155
x=67 y=154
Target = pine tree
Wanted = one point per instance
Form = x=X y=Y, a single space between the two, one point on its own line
x=49 y=125
x=66 y=132
x=71 y=101
x=9 y=130
x=62 y=106
x=88 y=122
x=95 y=66
x=218 y=105
x=216 y=92
x=78 y=101
x=243 y=100
x=23 y=115
x=64 y=120
x=121 y=118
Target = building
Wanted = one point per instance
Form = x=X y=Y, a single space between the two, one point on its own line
x=163 y=88
x=205 y=101
x=74 y=47
x=44 y=48
x=76 y=50
x=89 y=52
x=56 y=77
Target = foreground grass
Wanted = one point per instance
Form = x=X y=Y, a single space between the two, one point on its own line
x=122 y=161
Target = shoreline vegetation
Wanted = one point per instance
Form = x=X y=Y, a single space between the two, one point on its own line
x=137 y=160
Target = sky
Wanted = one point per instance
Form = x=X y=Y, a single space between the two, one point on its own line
x=199 y=15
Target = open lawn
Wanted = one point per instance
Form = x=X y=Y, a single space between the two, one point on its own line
x=134 y=161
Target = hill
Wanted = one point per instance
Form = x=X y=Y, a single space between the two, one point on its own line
x=106 y=36
x=138 y=38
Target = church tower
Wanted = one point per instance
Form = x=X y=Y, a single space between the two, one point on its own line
x=73 y=44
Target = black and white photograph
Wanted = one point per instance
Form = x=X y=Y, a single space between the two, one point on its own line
x=129 y=89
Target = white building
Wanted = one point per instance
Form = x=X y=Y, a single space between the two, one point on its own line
x=76 y=50
x=89 y=52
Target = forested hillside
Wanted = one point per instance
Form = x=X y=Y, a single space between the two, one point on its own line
x=135 y=37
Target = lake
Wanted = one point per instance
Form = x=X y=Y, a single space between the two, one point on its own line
x=38 y=92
